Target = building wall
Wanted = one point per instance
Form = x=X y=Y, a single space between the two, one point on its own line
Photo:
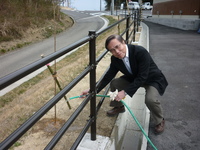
x=189 y=8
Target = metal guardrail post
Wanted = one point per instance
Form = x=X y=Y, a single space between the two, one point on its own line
x=92 y=62
x=138 y=20
x=127 y=27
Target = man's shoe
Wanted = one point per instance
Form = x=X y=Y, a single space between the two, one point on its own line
x=115 y=111
x=160 y=127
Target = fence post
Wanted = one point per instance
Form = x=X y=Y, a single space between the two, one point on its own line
x=92 y=62
x=127 y=27
x=134 y=25
x=138 y=19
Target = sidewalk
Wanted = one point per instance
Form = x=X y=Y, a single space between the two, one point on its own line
x=177 y=54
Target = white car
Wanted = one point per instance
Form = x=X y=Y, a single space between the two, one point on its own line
x=133 y=5
x=147 y=6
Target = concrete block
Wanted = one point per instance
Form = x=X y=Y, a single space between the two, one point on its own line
x=132 y=140
x=131 y=123
x=99 y=144
x=137 y=36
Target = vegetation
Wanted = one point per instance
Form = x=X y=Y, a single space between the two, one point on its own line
x=21 y=17
x=18 y=15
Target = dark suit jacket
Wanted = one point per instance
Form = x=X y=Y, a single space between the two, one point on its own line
x=145 y=71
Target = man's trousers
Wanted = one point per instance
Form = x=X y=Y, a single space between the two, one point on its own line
x=151 y=98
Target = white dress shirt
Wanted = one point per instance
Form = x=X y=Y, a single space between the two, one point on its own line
x=126 y=61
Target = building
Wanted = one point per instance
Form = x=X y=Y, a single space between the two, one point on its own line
x=183 y=14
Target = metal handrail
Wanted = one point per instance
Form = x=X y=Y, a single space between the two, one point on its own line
x=91 y=68
x=13 y=77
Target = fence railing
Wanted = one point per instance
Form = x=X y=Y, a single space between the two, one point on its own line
x=131 y=20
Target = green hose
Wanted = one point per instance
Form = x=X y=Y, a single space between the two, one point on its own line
x=139 y=125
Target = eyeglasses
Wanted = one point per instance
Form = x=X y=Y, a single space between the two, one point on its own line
x=117 y=47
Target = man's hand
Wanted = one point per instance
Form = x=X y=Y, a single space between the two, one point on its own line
x=121 y=95
x=84 y=93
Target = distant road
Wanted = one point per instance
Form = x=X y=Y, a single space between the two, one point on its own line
x=84 y=22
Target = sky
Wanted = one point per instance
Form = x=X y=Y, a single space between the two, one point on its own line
x=87 y=4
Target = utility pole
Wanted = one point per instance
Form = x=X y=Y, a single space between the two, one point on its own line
x=68 y=3
x=140 y=2
x=100 y=5
x=112 y=7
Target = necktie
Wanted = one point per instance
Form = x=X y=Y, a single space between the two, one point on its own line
x=127 y=64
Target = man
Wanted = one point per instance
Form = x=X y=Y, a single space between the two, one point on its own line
x=139 y=70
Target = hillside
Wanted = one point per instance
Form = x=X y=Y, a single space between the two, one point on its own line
x=25 y=22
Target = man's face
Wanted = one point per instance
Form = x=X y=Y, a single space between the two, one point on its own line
x=117 y=48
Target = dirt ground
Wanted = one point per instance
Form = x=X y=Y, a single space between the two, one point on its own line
x=20 y=109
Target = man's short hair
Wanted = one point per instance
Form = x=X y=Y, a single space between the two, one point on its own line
x=112 y=37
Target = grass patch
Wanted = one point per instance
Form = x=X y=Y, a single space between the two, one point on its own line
x=111 y=19
x=16 y=144
x=2 y=51
x=5 y=38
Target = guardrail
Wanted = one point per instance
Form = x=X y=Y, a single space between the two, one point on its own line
x=91 y=69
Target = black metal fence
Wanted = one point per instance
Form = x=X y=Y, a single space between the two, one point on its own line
x=131 y=20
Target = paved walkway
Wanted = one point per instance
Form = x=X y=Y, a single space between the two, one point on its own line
x=177 y=53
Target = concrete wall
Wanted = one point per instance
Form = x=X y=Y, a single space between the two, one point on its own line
x=184 y=24
x=189 y=8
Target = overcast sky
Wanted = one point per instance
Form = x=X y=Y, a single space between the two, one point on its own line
x=87 y=4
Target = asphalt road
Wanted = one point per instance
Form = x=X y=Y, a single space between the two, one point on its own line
x=177 y=53
x=84 y=22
